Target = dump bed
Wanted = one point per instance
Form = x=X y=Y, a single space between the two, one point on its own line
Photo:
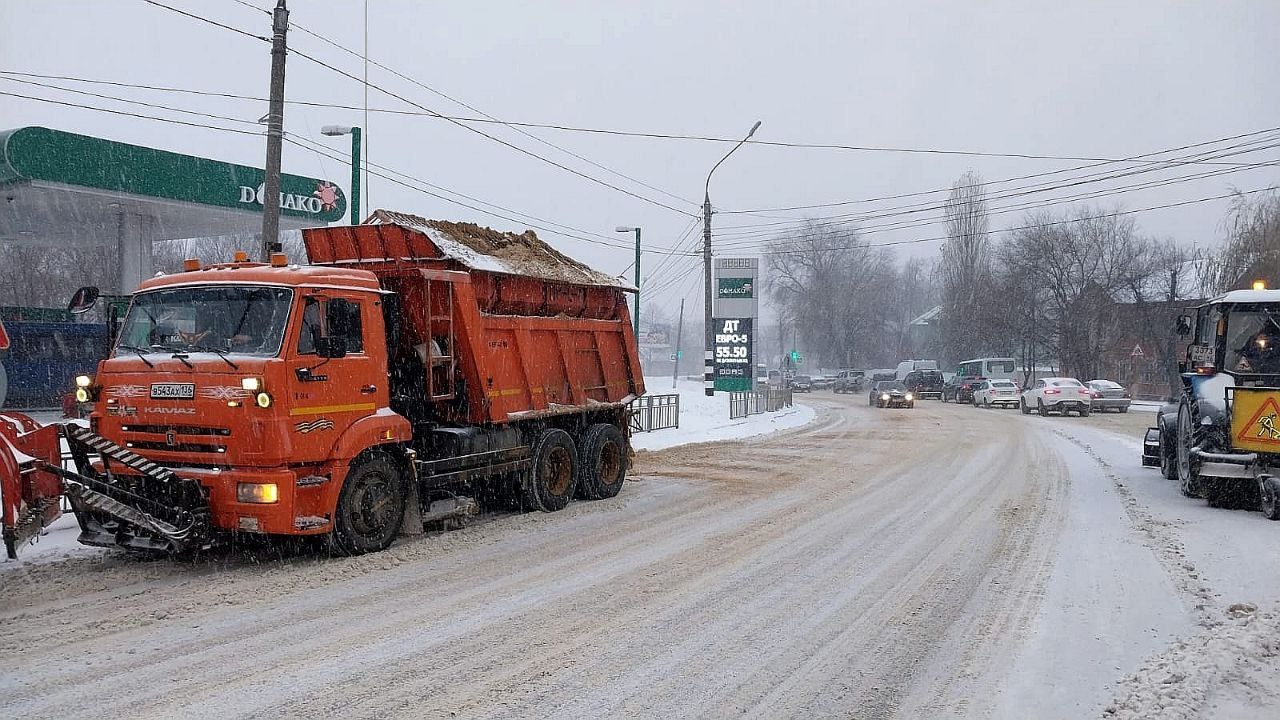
x=491 y=326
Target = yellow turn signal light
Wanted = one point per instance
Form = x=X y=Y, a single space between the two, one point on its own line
x=262 y=493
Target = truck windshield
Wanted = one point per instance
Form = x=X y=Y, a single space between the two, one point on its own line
x=1252 y=342
x=224 y=319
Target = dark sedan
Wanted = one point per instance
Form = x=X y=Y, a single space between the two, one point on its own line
x=801 y=383
x=891 y=393
x=961 y=388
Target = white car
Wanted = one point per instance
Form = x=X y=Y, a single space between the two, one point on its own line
x=996 y=392
x=1056 y=394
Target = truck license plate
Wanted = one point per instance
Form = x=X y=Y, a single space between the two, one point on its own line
x=173 y=391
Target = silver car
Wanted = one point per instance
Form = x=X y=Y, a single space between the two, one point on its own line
x=1107 y=395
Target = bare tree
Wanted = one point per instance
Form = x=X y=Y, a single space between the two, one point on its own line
x=965 y=269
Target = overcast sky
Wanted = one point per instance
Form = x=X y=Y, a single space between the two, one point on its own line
x=1095 y=79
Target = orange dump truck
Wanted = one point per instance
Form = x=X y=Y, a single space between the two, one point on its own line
x=412 y=365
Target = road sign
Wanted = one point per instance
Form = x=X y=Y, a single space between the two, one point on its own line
x=1137 y=351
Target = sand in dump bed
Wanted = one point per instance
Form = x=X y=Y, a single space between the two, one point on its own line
x=484 y=248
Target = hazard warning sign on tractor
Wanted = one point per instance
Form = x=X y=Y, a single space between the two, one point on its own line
x=1255 y=420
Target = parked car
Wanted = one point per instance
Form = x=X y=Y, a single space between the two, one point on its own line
x=802 y=383
x=996 y=392
x=890 y=393
x=960 y=389
x=1107 y=395
x=848 y=381
x=924 y=384
x=1056 y=394
x=822 y=382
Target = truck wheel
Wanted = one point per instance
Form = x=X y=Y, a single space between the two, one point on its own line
x=370 y=507
x=602 y=467
x=1188 y=475
x=550 y=483
x=1269 y=492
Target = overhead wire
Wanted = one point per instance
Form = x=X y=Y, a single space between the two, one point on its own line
x=460 y=124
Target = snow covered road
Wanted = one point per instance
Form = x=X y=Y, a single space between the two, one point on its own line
x=937 y=562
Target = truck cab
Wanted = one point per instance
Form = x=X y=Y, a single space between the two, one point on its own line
x=261 y=381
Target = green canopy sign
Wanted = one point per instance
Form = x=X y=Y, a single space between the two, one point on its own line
x=36 y=154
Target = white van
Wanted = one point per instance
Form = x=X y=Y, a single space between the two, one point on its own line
x=907 y=366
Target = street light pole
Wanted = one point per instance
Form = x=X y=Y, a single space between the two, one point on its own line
x=354 y=132
x=636 y=317
x=708 y=359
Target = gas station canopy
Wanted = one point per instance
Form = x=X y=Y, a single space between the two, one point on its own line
x=64 y=188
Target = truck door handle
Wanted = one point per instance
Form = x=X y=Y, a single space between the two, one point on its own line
x=369 y=389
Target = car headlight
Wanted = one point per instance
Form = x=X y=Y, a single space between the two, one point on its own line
x=884 y=396
x=910 y=396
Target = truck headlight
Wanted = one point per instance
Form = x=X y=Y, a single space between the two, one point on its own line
x=252 y=384
x=82 y=395
x=261 y=493
x=263 y=400
x=83 y=381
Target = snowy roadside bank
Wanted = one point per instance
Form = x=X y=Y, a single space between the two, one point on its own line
x=706 y=419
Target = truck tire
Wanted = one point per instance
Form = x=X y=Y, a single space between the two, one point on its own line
x=602 y=462
x=1269 y=492
x=1188 y=474
x=550 y=483
x=370 y=506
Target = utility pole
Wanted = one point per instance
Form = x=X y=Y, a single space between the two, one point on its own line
x=675 y=374
x=275 y=134
x=1171 y=351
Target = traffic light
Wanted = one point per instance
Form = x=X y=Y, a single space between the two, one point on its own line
x=795 y=356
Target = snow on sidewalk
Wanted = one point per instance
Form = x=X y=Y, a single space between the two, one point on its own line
x=706 y=419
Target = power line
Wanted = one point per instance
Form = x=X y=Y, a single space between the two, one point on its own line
x=207 y=20
x=458 y=123
x=603 y=239
x=1022 y=207
x=487 y=116
x=671 y=136
x=1037 y=225
x=768 y=229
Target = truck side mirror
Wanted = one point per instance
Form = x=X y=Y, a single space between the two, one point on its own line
x=83 y=300
x=1183 y=326
x=331 y=346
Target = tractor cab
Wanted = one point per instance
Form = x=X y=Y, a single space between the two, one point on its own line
x=1239 y=334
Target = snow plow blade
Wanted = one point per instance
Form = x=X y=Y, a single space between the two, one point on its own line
x=120 y=498
x=30 y=496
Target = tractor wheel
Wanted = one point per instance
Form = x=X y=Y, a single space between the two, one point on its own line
x=550 y=483
x=1188 y=473
x=370 y=507
x=1168 y=455
x=1269 y=490
x=602 y=466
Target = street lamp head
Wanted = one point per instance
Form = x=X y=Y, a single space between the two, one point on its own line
x=335 y=130
x=624 y=228
x=754 y=128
